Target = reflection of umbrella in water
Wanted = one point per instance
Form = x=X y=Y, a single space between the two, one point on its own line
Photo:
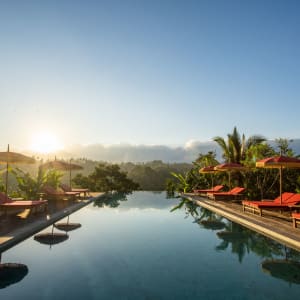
x=230 y=236
x=279 y=162
x=233 y=233
x=213 y=224
x=229 y=167
x=287 y=270
x=13 y=158
x=67 y=226
x=61 y=165
x=11 y=273
x=51 y=238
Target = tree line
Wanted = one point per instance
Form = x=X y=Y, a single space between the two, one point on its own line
x=259 y=183
x=172 y=177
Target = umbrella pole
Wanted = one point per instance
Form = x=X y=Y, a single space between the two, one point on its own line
x=6 y=180
x=280 y=184
x=70 y=175
x=70 y=179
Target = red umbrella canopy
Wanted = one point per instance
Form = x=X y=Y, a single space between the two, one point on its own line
x=279 y=162
x=229 y=167
x=208 y=169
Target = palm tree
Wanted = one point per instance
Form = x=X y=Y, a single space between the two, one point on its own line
x=235 y=149
x=205 y=160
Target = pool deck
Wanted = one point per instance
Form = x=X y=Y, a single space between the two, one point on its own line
x=272 y=226
x=37 y=223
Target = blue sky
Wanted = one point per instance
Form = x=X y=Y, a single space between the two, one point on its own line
x=148 y=72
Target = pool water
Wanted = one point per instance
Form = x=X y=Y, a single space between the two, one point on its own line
x=136 y=248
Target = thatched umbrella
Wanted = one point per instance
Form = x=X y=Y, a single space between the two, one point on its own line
x=230 y=167
x=8 y=157
x=62 y=166
x=209 y=170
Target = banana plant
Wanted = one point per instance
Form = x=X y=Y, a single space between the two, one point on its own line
x=183 y=184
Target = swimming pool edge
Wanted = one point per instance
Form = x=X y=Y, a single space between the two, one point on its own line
x=264 y=226
x=21 y=234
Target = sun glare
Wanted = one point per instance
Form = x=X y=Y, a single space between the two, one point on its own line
x=45 y=142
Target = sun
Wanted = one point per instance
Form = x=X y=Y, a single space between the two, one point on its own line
x=45 y=142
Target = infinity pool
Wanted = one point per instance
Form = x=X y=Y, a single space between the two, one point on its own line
x=135 y=248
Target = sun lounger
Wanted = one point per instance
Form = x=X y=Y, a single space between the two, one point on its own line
x=216 y=188
x=7 y=203
x=67 y=188
x=233 y=194
x=59 y=194
x=296 y=219
x=287 y=201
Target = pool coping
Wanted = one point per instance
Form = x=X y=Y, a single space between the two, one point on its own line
x=274 y=229
x=18 y=235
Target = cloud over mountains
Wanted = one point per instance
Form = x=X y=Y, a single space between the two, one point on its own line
x=144 y=153
x=139 y=153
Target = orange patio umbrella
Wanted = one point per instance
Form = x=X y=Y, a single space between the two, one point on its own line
x=209 y=170
x=279 y=162
x=230 y=167
x=8 y=157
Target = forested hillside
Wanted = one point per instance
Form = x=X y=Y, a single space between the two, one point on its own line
x=149 y=175
x=152 y=176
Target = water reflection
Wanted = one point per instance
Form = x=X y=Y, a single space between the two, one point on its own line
x=137 y=201
x=191 y=209
x=110 y=200
x=237 y=237
x=11 y=273
x=278 y=261
x=51 y=238
x=210 y=220
x=67 y=226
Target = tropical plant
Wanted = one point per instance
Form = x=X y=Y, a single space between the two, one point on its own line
x=183 y=182
x=205 y=160
x=235 y=149
x=31 y=186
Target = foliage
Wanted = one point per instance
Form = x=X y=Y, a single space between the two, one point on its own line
x=205 y=160
x=183 y=184
x=106 y=178
x=283 y=146
x=110 y=200
x=30 y=186
x=235 y=149
x=154 y=175
x=259 y=183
